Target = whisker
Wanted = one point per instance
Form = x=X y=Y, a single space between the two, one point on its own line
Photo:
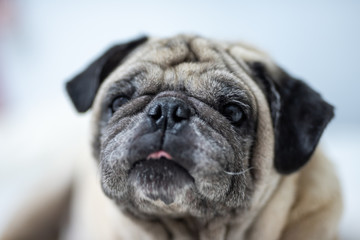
x=110 y=162
x=238 y=173
x=117 y=140
x=111 y=159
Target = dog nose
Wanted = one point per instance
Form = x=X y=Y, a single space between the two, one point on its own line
x=169 y=113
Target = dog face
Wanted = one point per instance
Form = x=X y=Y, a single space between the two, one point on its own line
x=191 y=127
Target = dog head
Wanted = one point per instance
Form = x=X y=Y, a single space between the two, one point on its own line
x=186 y=125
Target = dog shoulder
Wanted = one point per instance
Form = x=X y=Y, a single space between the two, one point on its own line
x=318 y=201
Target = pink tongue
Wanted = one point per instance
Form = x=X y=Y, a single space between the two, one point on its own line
x=159 y=154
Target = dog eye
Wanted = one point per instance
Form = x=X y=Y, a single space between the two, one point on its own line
x=118 y=102
x=233 y=112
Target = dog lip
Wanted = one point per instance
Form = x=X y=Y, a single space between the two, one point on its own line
x=156 y=155
x=159 y=154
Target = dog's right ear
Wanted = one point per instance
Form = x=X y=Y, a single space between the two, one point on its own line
x=299 y=116
x=84 y=86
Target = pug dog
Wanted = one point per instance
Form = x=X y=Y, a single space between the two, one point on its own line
x=200 y=139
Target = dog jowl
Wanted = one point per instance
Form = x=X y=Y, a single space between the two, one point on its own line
x=187 y=127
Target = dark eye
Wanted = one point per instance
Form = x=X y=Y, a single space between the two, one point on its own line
x=118 y=102
x=233 y=112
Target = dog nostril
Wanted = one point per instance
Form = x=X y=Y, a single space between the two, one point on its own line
x=155 y=112
x=169 y=114
x=181 y=113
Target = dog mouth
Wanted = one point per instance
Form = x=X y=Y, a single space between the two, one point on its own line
x=159 y=177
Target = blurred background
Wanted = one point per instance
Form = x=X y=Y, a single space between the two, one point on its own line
x=44 y=43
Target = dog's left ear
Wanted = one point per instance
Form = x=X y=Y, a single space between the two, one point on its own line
x=299 y=116
x=83 y=87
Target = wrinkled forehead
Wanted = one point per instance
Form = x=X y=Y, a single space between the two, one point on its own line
x=180 y=49
x=186 y=63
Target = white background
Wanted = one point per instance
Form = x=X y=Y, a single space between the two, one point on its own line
x=47 y=42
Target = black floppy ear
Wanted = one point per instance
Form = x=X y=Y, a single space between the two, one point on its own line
x=83 y=87
x=299 y=115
